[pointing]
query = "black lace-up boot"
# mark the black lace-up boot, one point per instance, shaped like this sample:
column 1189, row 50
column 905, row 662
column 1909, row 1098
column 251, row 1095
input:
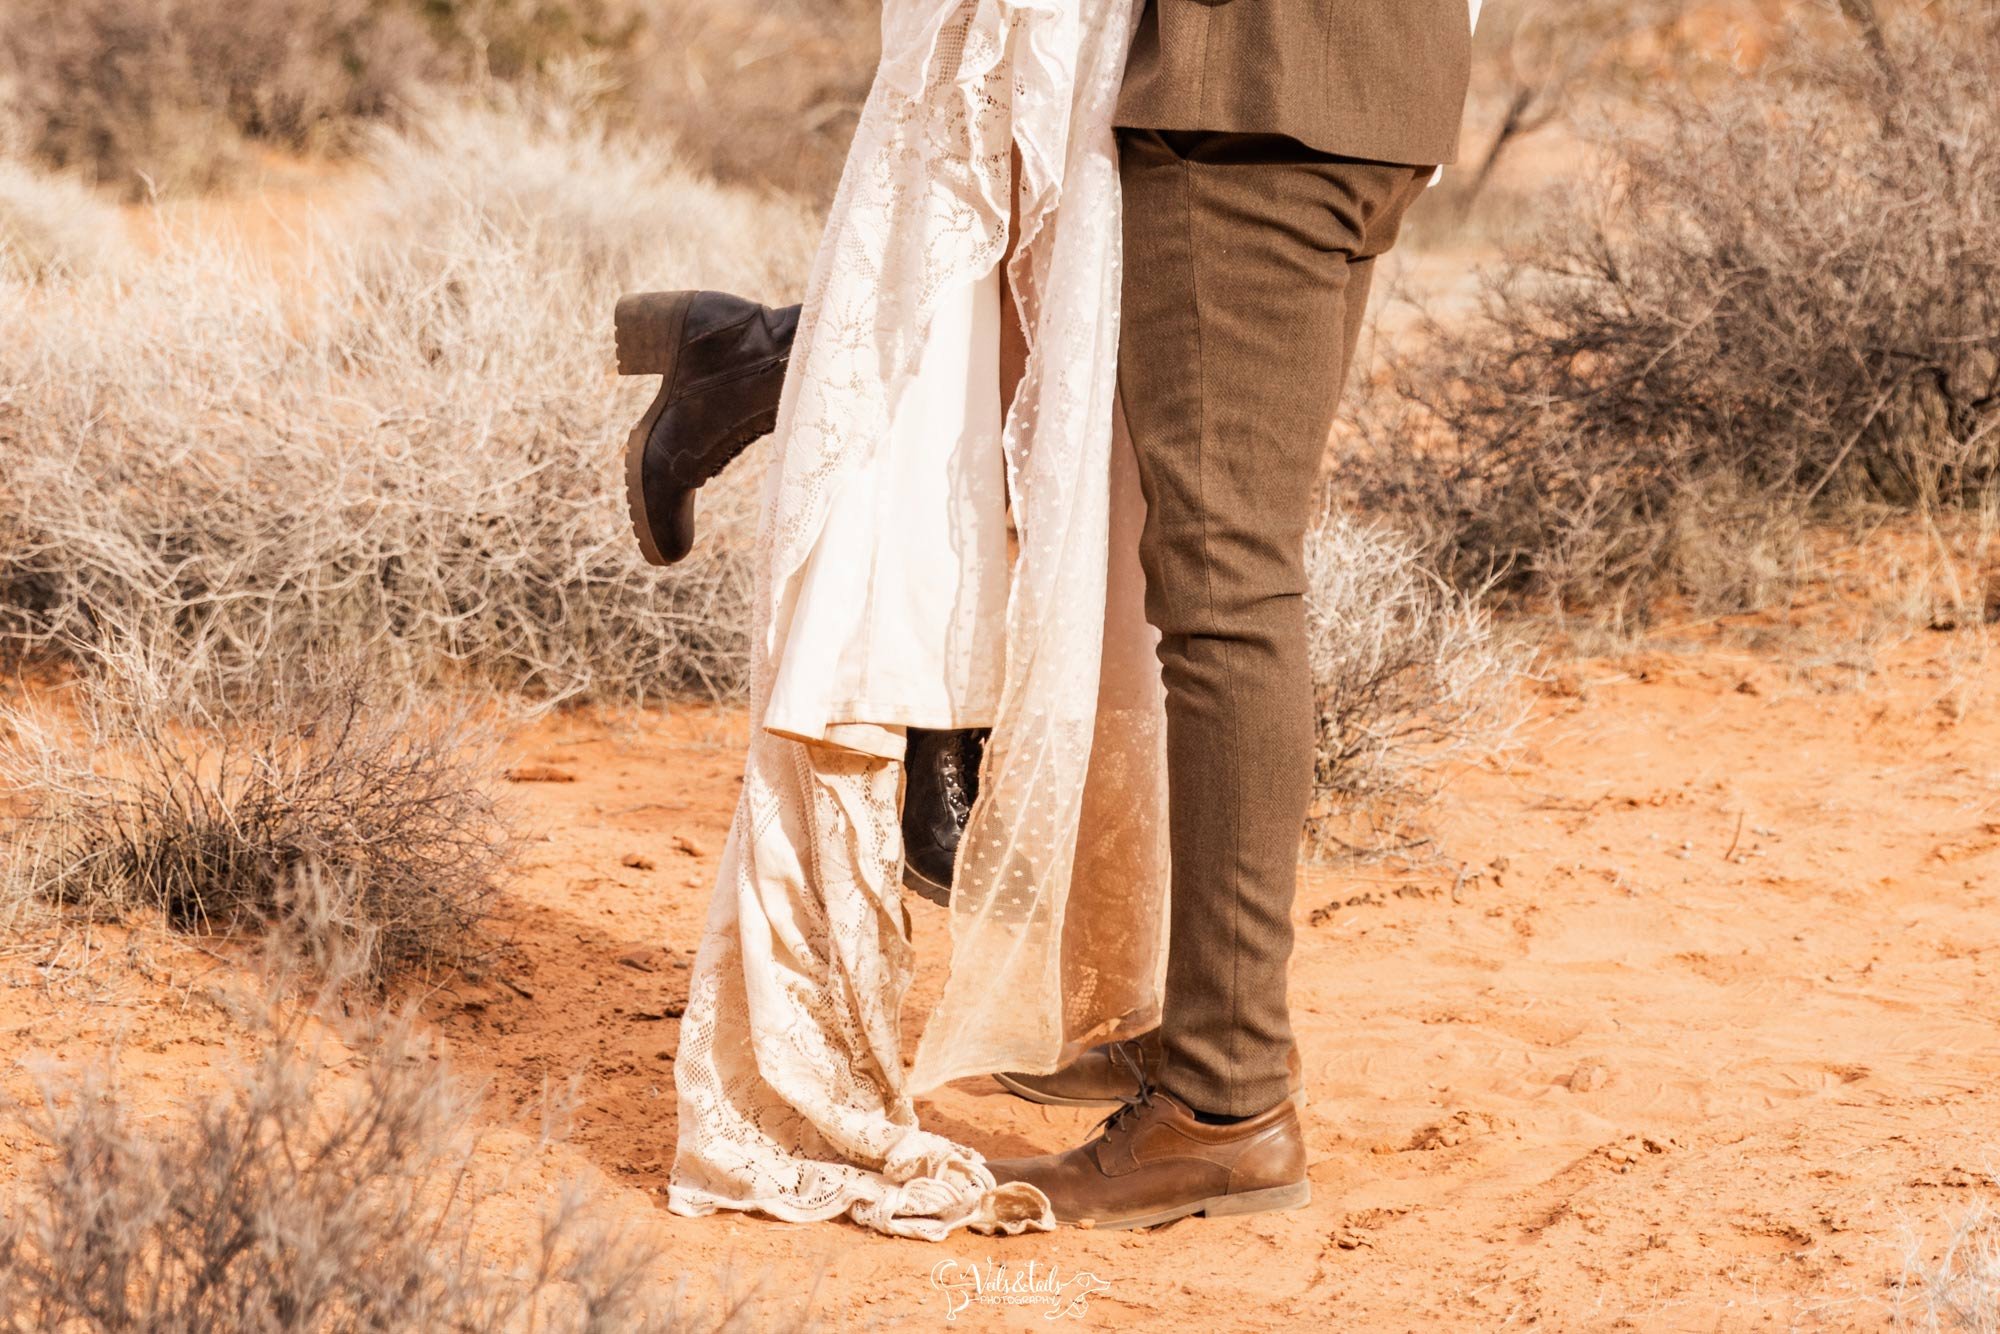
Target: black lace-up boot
column 721, row 361
column 941, row 781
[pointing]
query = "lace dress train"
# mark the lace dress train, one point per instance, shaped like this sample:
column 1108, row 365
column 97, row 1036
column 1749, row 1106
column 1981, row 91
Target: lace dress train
column 793, row 1100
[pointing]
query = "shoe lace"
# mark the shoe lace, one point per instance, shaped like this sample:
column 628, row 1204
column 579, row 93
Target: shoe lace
column 1128, row 1055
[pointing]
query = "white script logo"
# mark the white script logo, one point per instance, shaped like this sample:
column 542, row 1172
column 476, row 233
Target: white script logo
column 1007, row 1285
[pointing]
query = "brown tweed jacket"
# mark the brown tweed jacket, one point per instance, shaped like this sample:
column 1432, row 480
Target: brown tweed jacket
column 1378, row 79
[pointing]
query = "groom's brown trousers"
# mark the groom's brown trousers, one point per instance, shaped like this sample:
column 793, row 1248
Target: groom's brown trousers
column 1247, row 267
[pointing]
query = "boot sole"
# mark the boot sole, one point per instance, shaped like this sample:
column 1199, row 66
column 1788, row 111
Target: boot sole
column 1294, row 1196
column 649, row 331
column 918, row 883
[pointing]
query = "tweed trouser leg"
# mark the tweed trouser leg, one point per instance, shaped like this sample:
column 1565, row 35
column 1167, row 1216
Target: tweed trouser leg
column 1247, row 267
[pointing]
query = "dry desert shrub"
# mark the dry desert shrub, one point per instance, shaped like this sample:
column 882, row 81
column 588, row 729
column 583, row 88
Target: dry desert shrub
column 540, row 172
column 1409, row 681
column 404, row 446
column 53, row 227
column 510, row 39
column 302, row 1199
column 145, row 95
column 145, row 789
column 765, row 94
column 1543, row 63
column 170, row 96
column 1784, row 300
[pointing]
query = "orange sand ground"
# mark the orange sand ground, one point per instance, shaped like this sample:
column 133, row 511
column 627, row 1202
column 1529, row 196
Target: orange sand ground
column 1702, row 1037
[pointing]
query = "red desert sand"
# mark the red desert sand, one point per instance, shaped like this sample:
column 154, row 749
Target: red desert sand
column 1695, row 1030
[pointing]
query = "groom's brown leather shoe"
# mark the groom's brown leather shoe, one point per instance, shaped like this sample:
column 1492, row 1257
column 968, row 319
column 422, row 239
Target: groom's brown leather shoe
column 1104, row 1076
column 1111, row 1073
column 1154, row 1162
column 721, row 361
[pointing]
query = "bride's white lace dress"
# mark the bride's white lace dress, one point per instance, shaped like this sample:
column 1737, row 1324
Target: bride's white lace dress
column 794, row 1097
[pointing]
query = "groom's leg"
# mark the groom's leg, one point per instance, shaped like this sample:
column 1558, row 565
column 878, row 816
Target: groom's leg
column 1247, row 262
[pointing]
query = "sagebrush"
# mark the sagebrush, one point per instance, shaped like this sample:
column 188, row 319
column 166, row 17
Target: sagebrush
column 168, row 95
column 334, row 1182
column 1409, row 681
column 1780, row 298
column 176, row 96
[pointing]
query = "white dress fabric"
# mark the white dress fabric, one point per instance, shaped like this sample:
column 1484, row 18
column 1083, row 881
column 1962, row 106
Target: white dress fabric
column 900, row 616
column 794, row 1097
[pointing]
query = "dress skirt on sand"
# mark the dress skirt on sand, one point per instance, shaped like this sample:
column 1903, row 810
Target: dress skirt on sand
column 886, row 599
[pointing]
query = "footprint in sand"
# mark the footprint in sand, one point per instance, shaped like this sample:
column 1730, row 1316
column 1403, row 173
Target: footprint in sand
column 1461, row 1127
column 1589, row 1076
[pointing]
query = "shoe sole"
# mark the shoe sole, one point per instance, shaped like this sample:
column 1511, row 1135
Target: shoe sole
column 1294, row 1196
column 1020, row 1090
column 648, row 332
column 1028, row 1094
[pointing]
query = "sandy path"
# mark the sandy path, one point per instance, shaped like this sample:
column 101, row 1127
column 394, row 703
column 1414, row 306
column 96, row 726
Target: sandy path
column 1703, row 1034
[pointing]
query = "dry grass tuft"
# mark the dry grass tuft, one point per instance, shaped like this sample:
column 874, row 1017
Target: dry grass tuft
column 1961, row 1291
column 53, row 228
column 301, row 1198
column 1409, row 682
column 143, row 791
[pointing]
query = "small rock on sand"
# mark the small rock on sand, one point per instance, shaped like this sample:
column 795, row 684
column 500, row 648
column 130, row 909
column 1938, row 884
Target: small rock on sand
column 539, row 773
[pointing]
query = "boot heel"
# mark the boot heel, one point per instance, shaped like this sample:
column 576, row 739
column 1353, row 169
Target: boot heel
column 1260, row 1201
column 649, row 329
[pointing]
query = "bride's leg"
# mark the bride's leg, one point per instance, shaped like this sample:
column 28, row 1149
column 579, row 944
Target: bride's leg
column 793, row 1098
